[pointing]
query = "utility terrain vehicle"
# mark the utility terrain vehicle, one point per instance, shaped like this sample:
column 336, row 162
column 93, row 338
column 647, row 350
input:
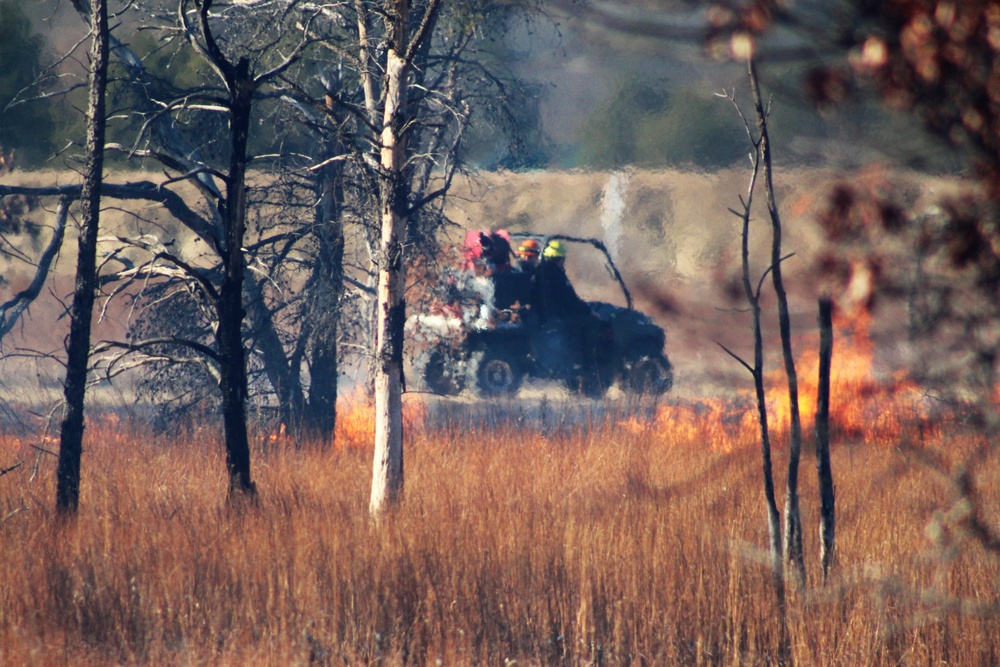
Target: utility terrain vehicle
column 491, row 329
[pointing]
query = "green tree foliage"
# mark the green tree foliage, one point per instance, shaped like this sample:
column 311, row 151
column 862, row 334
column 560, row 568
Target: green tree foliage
column 172, row 68
column 175, row 68
column 505, row 131
column 641, row 124
column 25, row 126
column 504, row 128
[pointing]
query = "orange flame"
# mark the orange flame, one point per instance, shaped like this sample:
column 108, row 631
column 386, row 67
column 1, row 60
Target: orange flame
column 862, row 406
column 356, row 419
column 723, row 425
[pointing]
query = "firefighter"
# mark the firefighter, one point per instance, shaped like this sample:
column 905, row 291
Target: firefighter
column 496, row 251
column 556, row 295
column 559, row 301
column 527, row 256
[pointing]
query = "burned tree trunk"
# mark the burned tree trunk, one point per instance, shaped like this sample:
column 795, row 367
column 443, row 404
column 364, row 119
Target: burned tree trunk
column 78, row 349
column 827, row 497
column 323, row 313
column 757, row 371
column 394, row 190
column 793, row 517
column 241, row 86
column 232, row 354
column 752, row 295
column 773, row 516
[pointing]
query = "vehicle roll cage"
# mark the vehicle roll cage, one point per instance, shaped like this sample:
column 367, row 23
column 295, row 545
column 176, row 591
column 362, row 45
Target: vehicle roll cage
column 612, row 269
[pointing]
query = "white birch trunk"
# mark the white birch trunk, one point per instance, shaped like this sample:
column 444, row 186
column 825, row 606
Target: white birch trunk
column 387, row 466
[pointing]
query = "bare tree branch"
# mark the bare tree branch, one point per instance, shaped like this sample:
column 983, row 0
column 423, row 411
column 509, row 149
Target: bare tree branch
column 736, row 357
column 144, row 190
column 4, row 471
column 11, row 310
column 201, row 348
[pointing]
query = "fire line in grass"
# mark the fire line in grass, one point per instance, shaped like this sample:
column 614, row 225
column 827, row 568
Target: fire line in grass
column 356, row 419
column 863, row 406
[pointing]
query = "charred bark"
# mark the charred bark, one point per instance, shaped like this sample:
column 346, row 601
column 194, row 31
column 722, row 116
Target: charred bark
column 793, row 517
column 323, row 314
column 387, row 473
column 757, row 371
column 232, row 354
column 752, row 296
column 827, row 495
column 773, row 516
column 78, row 347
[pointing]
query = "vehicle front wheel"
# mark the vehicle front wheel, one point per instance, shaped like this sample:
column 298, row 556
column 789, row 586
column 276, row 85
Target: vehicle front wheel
column 442, row 372
column 651, row 375
column 498, row 374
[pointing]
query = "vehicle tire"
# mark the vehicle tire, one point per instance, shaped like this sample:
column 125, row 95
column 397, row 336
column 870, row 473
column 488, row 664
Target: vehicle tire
column 652, row 375
column 442, row 372
column 498, row 374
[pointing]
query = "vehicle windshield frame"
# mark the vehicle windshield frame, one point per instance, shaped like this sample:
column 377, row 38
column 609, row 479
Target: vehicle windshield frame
column 544, row 239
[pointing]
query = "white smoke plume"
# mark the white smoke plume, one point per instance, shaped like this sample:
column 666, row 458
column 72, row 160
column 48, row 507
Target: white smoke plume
column 613, row 211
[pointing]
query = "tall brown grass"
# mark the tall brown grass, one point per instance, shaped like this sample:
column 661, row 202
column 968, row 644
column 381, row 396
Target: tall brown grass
column 612, row 541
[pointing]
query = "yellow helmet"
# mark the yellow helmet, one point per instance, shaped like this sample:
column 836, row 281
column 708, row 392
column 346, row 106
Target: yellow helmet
column 554, row 250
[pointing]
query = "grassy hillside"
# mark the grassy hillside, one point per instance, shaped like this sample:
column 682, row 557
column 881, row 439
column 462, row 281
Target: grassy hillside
column 678, row 249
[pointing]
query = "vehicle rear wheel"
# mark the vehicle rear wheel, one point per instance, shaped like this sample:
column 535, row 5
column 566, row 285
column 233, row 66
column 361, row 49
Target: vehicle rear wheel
column 442, row 372
column 498, row 374
column 649, row 375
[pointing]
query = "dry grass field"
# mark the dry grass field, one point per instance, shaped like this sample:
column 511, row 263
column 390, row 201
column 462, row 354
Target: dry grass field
column 629, row 535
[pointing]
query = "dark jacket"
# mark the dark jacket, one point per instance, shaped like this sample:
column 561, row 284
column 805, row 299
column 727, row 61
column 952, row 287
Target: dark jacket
column 555, row 297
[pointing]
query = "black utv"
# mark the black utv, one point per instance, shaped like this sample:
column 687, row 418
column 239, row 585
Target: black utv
column 500, row 323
